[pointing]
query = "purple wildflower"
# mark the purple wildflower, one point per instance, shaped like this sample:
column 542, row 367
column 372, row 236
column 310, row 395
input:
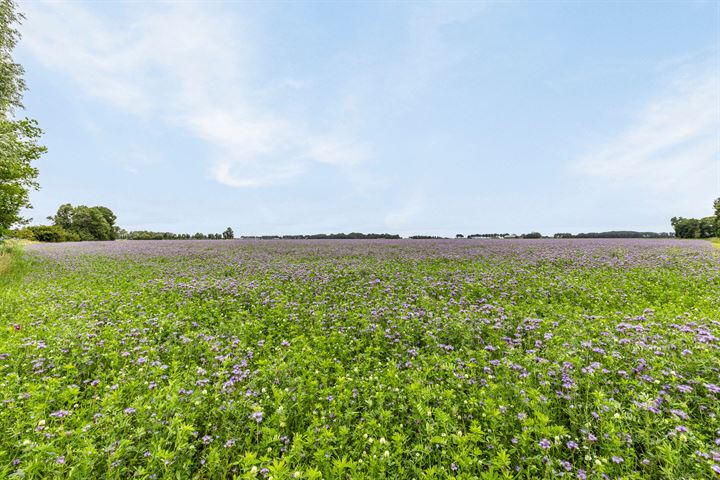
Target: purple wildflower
column 712, row 388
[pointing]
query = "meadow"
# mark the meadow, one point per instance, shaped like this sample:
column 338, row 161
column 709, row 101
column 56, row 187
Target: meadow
column 465, row 359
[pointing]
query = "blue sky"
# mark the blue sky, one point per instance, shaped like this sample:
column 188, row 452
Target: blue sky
column 437, row 118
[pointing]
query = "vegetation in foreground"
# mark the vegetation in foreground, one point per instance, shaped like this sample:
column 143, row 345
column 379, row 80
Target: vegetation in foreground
column 500, row 359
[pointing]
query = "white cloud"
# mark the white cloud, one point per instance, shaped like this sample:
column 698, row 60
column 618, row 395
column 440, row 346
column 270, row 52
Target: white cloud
column 188, row 66
column 671, row 149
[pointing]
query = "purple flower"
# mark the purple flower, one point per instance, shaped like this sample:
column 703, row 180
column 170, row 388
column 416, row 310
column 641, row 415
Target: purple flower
column 129, row 411
column 453, row 467
column 544, row 443
column 582, row 475
column 264, row 472
column 257, row 416
column 230, row 443
column 712, row 387
column 681, row 429
column 60, row 414
column 206, row 439
column 618, row 459
column 60, row 460
column 572, row 445
column 566, row 465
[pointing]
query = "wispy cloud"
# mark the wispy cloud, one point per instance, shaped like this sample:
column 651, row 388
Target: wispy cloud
column 188, row 67
column 671, row 149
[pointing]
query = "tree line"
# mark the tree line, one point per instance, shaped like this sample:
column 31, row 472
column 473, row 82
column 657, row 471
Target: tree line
column 81, row 223
column 74, row 224
column 705, row 227
column 228, row 234
column 616, row 234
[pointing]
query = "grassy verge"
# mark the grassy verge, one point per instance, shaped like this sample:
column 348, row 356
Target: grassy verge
column 11, row 260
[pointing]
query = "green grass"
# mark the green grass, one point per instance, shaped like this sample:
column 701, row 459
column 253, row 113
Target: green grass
column 11, row 262
column 361, row 360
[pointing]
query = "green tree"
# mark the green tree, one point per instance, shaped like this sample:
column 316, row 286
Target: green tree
column 45, row 233
column 707, row 227
column 686, row 227
column 18, row 137
column 89, row 223
column 63, row 217
column 228, row 234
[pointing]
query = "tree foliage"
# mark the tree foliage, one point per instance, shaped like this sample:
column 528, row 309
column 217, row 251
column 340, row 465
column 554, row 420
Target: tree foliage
column 47, row 233
column 698, row 227
column 694, row 227
column 89, row 223
column 228, row 234
column 18, row 137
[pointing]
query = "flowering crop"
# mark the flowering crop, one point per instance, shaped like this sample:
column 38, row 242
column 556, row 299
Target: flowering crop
column 362, row 359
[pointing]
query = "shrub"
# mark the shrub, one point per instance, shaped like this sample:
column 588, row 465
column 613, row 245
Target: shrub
column 47, row 233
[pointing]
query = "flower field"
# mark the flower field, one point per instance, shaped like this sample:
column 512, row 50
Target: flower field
column 362, row 359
